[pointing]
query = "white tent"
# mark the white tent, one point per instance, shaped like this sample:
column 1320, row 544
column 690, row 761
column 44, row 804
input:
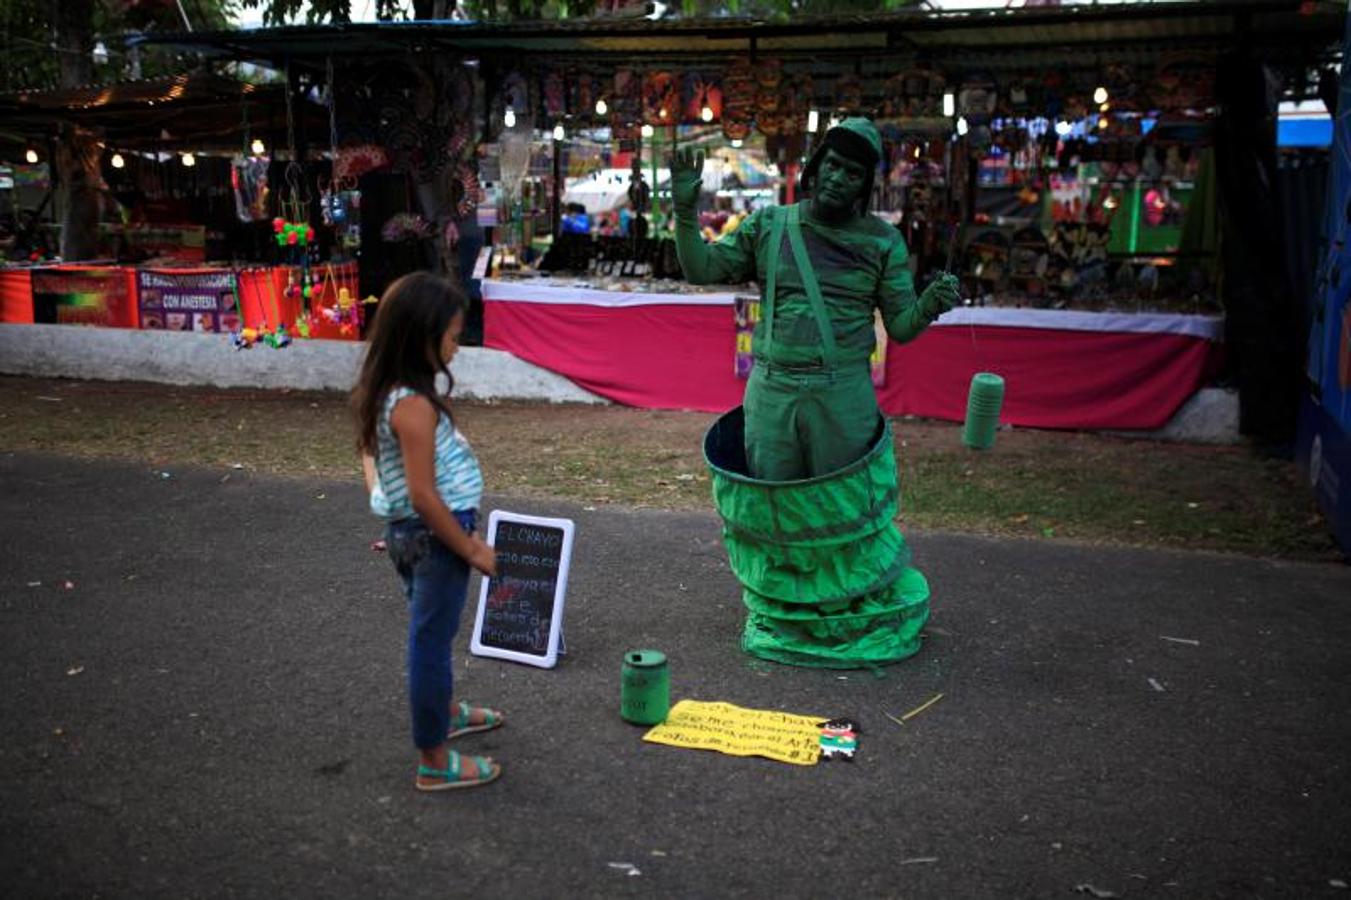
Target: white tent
column 607, row 189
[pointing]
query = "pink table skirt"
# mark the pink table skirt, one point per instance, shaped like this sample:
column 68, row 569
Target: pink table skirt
column 1061, row 369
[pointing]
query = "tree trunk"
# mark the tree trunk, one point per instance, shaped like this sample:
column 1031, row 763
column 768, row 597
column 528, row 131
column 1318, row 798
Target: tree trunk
column 77, row 156
column 433, row 9
column 442, row 9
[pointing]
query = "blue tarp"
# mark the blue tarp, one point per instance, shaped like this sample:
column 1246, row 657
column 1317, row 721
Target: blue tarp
column 1304, row 132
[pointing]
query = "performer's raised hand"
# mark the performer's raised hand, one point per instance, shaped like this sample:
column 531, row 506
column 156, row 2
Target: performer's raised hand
column 687, row 172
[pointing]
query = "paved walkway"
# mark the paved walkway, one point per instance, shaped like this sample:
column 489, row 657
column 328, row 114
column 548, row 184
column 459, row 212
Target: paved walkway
column 215, row 708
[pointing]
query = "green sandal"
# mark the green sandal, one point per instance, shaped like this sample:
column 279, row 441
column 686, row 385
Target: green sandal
column 488, row 771
column 459, row 721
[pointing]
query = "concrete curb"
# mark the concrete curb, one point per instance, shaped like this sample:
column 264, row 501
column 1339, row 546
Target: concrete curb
column 183, row 358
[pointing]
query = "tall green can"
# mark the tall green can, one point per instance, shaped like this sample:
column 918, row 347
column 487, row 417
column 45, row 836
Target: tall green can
column 825, row 573
column 644, row 688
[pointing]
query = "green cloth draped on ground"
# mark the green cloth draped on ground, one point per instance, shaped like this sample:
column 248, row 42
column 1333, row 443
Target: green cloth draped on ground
column 825, row 572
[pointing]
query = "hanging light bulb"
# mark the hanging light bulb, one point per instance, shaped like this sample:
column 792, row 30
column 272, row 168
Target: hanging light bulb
column 559, row 133
column 736, row 144
column 188, row 160
column 601, row 107
column 962, row 127
column 509, row 118
column 706, row 114
column 257, row 147
column 647, row 131
column 117, row 162
column 662, row 112
column 949, row 104
column 1103, row 123
column 813, row 121
column 1100, row 95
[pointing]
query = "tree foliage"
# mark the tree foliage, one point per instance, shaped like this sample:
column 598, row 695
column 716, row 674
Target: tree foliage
column 52, row 43
column 279, row 12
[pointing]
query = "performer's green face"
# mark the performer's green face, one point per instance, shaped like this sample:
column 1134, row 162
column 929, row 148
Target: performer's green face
column 839, row 184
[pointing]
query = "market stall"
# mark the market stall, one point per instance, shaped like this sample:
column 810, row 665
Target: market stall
column 205, row 224
column 1067, row 162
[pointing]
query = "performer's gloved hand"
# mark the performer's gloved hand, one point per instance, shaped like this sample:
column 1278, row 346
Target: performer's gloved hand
column 940, row 296
column 687, row 170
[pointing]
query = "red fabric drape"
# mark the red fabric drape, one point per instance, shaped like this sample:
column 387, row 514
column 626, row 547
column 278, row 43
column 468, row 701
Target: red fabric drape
column 16, row 296
column 681, row 357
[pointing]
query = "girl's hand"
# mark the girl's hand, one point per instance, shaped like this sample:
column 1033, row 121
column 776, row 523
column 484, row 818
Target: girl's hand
column 482, row 556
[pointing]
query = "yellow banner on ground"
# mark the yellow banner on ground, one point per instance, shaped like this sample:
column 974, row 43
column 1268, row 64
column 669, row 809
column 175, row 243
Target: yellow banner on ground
column 738, row 731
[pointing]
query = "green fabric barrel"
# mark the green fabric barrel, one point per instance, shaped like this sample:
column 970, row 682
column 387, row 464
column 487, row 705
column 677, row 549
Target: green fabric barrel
column 825, row 573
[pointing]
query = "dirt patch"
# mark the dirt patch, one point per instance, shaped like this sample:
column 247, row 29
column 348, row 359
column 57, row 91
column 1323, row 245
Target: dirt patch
column 1045, row 484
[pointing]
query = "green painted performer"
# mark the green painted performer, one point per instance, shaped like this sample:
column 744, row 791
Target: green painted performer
column 804, row 473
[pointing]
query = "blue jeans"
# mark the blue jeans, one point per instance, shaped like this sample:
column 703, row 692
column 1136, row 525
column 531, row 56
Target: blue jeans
column 435, row 582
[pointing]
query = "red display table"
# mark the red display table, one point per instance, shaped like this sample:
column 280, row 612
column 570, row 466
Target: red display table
column 676, row 351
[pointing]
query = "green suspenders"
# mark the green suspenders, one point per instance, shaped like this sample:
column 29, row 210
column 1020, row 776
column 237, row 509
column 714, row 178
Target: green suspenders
column 792, row 222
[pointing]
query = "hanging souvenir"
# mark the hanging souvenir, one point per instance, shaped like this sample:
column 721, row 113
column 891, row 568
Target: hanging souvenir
column 555, row 96
column 626, row 108
column 699, row 91
column 795, row 104
column 1016, row 99
column 460, row 91
column 738, row 100
column 1184, row 84
column 938, row 87
column 768, row 77
column 467, row 184
column 248, row 178
column 977, row 100
column 914, row 89
column 582, row 94
column 516, row 95
column 1122, row 93
column 893, row 97
column 849, row 95
column 353, row 162
column 661, row 99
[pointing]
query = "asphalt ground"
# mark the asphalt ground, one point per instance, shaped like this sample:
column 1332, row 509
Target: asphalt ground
column 203, row 696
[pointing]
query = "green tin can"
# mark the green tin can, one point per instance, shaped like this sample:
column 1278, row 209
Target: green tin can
column 645, row 687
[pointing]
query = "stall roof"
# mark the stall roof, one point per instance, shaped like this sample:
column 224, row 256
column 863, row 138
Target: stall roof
column 183, row 88
column 196, row 110
column 1015, row 36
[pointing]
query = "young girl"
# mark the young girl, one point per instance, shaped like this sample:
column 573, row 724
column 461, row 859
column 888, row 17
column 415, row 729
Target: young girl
column 425, row 482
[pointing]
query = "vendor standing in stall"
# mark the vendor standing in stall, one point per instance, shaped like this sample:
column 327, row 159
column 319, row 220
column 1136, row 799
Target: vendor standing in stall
column 833, row 587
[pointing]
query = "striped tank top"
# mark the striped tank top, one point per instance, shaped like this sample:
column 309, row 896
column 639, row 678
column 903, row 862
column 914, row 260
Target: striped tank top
column 458, row 478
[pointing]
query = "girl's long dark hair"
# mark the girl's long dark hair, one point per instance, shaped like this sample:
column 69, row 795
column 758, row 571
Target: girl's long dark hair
column 404, row 348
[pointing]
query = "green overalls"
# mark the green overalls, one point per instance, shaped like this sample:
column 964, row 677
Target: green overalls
column 804, row 421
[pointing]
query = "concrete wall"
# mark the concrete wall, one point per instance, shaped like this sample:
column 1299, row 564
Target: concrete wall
column 118, row 354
